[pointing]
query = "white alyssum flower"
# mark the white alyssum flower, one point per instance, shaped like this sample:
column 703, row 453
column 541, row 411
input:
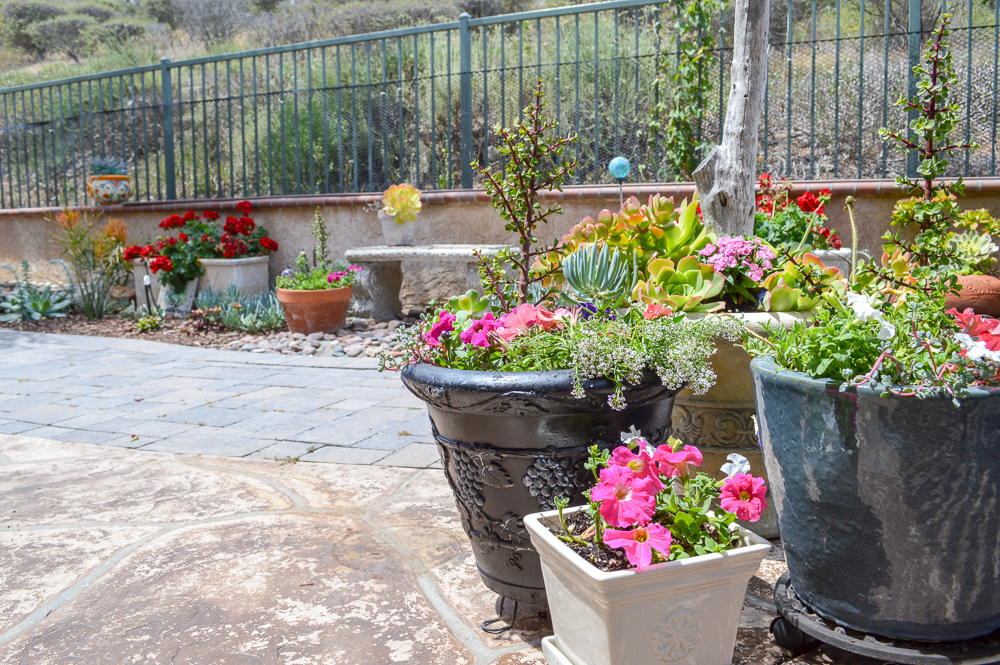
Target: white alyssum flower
column 975, row 349
column 863, row 310
column 736, row 464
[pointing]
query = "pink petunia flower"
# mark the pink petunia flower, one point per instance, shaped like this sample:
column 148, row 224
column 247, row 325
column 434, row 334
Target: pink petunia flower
column 744, row 494
column 517, row 321
column 444, row 324
column 625, row 500
column 640, row 542
column 640, row 464
column 551, row 320
column 478, row 334
column 677, row 464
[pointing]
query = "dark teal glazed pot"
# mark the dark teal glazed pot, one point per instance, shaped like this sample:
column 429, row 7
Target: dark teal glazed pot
column 889, row 508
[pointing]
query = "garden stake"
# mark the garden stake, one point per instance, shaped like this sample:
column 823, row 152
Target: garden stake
column 487, row 625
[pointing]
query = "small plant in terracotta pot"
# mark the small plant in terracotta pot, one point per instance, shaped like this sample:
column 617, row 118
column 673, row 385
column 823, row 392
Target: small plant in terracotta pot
column 109, row 182
column 315, row 298
column 400, row 205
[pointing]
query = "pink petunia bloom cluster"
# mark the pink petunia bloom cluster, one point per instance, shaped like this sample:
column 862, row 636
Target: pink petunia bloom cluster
column 524, row 317
column 627, row 492
column 445, row 323
column 478, row 334
column 736, row 253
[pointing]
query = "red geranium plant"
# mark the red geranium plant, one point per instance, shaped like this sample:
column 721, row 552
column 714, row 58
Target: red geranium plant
column 795, row 223
column 201, row 237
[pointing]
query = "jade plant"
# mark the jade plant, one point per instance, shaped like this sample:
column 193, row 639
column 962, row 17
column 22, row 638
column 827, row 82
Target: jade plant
column 402, row 203
column 685, row 286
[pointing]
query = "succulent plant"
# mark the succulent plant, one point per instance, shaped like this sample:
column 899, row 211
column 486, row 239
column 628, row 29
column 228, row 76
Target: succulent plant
column 799, row 287
column 658, row 229
column 974, row 251
column 685, row 286
column 401, row 202
column 600, row 275
column 471, row 305
column 108, row 166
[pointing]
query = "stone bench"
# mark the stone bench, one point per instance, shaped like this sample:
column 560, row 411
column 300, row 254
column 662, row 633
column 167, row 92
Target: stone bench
column 376, row 294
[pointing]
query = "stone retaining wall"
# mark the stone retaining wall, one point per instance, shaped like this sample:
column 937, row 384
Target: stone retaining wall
column 453, row 216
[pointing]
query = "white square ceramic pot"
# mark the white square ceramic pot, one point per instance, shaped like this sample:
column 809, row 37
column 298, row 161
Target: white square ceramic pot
column 683, row 611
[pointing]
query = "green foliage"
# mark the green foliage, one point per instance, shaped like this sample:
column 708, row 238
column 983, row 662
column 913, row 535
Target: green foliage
column 973, row 252
column 685, row 286
column 148, row 322
column 19, row 16
column 29, row 303
column 801, row 284
column 599, row 275
column 533, row 164
column 321, row 253
column 468, row 306
column 69, row 34
column 682, row 83
column 94, row 255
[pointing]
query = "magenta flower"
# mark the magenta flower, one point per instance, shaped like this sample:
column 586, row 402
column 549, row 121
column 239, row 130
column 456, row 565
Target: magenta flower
column 444, row 324
column 625, row 500
column 744, row 494
column 478, row 333
column 641, row 465
column 677, row 463
column 640, row 542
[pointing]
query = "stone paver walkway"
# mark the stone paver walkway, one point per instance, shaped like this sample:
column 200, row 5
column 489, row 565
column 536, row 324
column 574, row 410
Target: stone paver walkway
column 172, row 398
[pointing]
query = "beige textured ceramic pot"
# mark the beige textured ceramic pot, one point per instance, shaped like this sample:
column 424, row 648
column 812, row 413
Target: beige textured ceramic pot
column 249, row 274
column 720, row 422
column 684, row 612
column 323, row 310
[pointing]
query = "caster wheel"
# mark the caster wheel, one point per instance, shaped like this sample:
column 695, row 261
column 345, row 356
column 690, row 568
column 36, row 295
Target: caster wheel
column 789, row 637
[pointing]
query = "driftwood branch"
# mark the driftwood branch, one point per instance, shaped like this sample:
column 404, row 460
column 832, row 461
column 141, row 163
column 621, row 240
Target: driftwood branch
column 725, row 179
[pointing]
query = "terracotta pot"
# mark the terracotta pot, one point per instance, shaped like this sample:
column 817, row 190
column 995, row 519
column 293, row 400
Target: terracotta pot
column 323, row 310
column 980, row 292
column 109, row 189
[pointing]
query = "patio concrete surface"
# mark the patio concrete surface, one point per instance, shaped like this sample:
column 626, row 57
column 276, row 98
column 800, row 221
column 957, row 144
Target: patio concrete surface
column 110, row 555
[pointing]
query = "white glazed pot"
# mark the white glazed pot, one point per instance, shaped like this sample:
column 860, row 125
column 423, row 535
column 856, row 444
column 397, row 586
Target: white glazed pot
column 249, row 274
column 684, row 612
column 139, row 271
column 396, row 235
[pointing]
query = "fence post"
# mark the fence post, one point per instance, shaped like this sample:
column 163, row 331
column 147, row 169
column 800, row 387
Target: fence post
column 465, row 92
column 915, row 35
column 167, row 100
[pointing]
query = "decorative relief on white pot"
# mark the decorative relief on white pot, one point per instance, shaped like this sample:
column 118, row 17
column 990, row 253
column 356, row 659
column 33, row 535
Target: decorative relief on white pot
column 678, row 635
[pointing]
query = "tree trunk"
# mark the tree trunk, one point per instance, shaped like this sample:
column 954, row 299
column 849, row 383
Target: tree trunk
column 725, row 179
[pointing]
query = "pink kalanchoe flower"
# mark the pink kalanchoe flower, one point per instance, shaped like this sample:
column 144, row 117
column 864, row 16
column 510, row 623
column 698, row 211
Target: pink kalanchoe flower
column 744, row 494
column 641, row 465
column 444, row 324
column 640, row 542
column 677, row 464
column 625, row 500
column 655, row 310
column 478, row 334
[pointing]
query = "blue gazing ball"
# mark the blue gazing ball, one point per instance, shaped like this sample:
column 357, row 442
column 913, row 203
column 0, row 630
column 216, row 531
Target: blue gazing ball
column 620, row 168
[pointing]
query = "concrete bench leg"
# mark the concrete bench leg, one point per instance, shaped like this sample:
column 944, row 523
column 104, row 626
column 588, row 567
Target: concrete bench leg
column 376, row 294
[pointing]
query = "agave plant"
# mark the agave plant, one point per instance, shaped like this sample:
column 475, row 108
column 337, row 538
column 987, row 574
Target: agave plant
column 800, row 286
column 685, row 286
column 658, row 229
column 401, row 202
column 108, row 166
column 600, row 275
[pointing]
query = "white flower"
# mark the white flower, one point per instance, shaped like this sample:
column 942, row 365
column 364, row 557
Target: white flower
column 975, row 349
column 736, row 464
column 863, row 310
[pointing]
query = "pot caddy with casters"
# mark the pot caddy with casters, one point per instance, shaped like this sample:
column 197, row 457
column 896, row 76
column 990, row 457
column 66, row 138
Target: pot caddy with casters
column 511, row 442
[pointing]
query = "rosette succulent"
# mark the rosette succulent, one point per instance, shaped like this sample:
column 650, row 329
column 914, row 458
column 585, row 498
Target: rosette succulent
column 685, row 286
column 600, row 275
column 401, row 202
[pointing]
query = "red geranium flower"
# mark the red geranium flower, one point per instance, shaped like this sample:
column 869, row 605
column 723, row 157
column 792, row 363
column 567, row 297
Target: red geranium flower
column 161, row 263
column 146, row 251
column 190, row 216
column 247, row 225
column 132, row 253
column 183, row 237
column 268, row 244
column 210, row 215
column 245, row 207
column 835, row 242
column 809, row 202
column 207, row 238
column 172, row 222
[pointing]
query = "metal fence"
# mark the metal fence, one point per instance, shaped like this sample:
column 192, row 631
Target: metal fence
column 358, row 113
